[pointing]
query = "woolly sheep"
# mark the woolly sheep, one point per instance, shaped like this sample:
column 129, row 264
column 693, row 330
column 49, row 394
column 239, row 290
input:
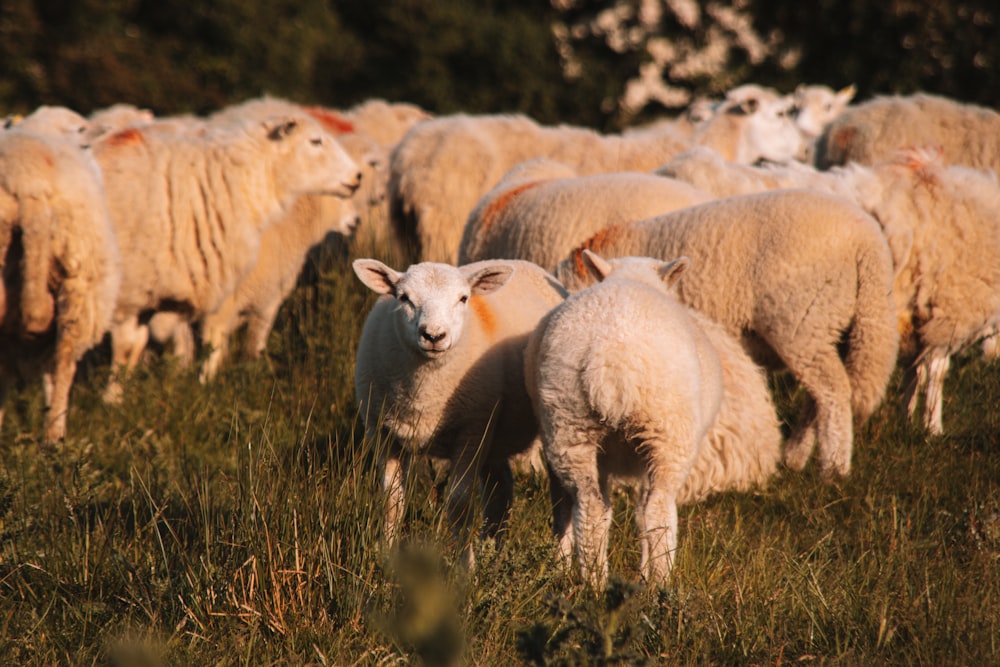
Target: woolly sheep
column 873, row 131
column 442, row 166
column 55, row 121
column 189, row 226
column 624, row 384
column 51, row 193
column 539, row 211
column 283, row 249
column 796, row 273
column 940, row 224
column 440, row 370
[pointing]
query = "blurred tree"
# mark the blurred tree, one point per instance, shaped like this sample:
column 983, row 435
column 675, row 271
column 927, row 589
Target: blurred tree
column 948, row 47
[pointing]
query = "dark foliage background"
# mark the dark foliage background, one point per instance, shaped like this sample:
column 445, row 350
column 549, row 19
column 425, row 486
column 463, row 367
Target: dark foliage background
column 448, row 55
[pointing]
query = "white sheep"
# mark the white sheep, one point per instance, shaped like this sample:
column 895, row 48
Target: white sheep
column 750, row 125
column 283, row 249
column 797, row 274
column 440, row 370
column 940, row 224
column 189, row 211
column 443, row 166
column 56, row 121
column 625, row 385
column 57, row 236
column 539, row 211
column 872, row 132
column 817, row 106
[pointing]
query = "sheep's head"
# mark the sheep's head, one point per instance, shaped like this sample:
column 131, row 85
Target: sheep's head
column 432, row 300
column 654, row 272
column 817, row 106
column 769, row 131
column 313, row 161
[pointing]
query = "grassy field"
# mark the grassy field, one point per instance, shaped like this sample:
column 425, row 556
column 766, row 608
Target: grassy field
column 240, row 524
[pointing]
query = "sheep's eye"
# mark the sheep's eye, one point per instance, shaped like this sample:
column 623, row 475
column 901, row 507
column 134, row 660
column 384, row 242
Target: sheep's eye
column 464, row 298
column 317, row 141
column 404, row 298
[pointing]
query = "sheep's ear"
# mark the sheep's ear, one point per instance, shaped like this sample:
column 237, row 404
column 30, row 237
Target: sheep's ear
column 670, row 272
column 490, row 279
column 376, row 275
column 280, row 129
column 598, row 266
column 746, row 107
column 845, row 95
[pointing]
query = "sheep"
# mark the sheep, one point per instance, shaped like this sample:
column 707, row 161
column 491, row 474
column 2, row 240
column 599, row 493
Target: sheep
column 796, row 274
column 817, row 106
column 939, row 222
column 189, row 227
column 947, row 286
column 625, row 384
column 440, row 370
column 56, row 121
column 283, row 249
column 539, row 212
column 57, row 236
column 442, row 166
column 871, row 132
column 384, row 122
column 749, row 125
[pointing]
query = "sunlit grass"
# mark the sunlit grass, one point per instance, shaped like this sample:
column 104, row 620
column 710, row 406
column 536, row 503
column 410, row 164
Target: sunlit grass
column 240, row 523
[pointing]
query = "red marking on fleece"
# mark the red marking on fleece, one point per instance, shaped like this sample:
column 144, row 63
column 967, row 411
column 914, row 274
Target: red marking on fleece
column 331, row 121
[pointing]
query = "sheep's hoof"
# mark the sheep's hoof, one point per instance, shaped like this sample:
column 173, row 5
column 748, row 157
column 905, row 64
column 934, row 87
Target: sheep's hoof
column 799, row 447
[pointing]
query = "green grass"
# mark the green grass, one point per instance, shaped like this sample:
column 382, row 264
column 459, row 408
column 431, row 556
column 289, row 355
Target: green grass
column 240, row 524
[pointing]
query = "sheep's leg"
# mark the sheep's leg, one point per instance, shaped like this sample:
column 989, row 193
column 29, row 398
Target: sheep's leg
column 128, row 340
column 182, row 345
column 668, row 458
column 395, row 496
column 917, row 385
column 937, row 369
column 562, row 516
column 38, row 306
column 459, row 496
column 58, row 380
column 825, row 378
column 498, row 494
column 802, row 441
column 9, row 211
column 259, row 325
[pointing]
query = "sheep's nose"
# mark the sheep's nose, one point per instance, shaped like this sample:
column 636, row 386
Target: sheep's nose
column 430, row 337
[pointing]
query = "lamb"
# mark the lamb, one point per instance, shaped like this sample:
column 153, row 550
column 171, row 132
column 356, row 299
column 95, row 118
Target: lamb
column 872, row 132
column 539, row 212
column 189, row 230
column 283, row 249
column 440, row 370
column 57, row 236
column 55, row 121
column 442, row 167
column 796, row 274
column 629, row 395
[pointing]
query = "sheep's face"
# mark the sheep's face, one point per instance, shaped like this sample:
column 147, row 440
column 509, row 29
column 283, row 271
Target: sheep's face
column 432, row 300
column 817, row 106
column 770, row 133
column 312, row 160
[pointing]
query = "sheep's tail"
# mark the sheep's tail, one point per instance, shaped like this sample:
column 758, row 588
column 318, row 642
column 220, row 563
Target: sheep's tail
column 37, row 304
column 873, row 341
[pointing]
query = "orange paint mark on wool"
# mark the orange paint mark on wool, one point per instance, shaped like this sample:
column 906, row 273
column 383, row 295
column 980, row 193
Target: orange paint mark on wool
column 497, row 206
column 331, row 121
column 844, row 137
column 596, row 244
column 126, row 137
column 923, row 161
column 484, row 313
